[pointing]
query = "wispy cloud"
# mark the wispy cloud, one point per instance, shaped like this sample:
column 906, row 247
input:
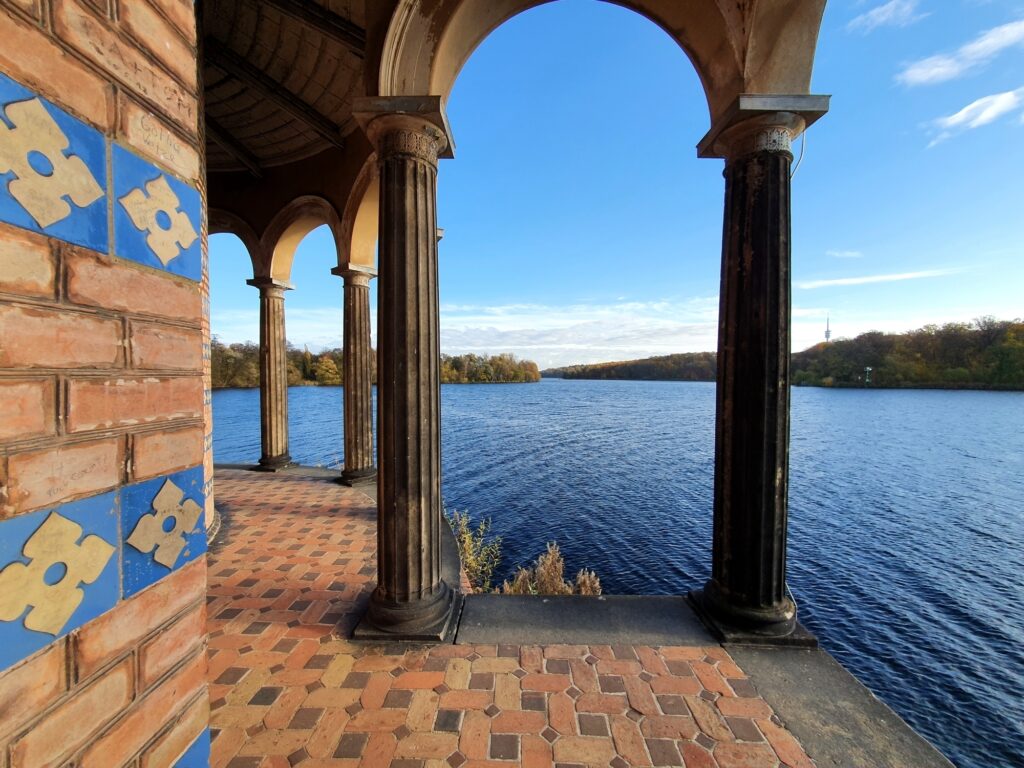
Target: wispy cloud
column 970, row 56
column 895, row 13
column 867, row 279
column 844, row 254
column 980, row 112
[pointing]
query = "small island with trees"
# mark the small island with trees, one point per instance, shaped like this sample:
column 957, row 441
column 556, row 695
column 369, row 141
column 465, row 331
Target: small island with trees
column 237, row 365
column 984, row 354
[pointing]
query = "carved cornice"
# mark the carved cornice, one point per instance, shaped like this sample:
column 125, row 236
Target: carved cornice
column 412, row 143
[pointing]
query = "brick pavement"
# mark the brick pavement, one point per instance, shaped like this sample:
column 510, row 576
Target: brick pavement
column 289, row 573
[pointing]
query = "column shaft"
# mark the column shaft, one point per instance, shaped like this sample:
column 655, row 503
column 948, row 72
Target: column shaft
column 358, row 378
column 748, row 584
column 411, row 595
column 273, row 376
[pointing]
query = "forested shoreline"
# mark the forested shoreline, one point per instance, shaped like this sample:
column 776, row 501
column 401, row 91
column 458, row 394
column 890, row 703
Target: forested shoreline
column 238, row 365
column 984, row 354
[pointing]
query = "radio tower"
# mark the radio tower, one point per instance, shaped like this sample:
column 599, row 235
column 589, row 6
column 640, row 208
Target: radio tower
column 828, row 330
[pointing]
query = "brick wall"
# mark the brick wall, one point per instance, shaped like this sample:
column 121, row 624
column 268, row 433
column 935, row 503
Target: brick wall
column 105, row 463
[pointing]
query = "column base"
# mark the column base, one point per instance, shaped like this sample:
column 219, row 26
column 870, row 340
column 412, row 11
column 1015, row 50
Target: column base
column 274, row 463
column 432, row 620
column 730, row 624
column 358, row 476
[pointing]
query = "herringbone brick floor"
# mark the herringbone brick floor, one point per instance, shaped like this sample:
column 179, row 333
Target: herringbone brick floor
column 289, row 573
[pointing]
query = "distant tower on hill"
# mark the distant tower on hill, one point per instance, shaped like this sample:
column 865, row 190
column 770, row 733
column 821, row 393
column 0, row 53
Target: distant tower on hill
column 828, row 330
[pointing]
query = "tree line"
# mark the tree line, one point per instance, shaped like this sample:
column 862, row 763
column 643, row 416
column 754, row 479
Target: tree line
column 984, row 354
column 238, row 365
column 689, row 366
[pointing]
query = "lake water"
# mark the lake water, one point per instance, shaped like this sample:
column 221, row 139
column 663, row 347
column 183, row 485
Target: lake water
column 906, row 518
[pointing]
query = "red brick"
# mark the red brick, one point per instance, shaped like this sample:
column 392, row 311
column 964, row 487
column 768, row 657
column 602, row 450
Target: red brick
column 106, row 403
column 31, row 687
column 159, row 37
column 584, row 749
column 696, row 756
column 711, row 679
column 148, row 716
column 561, row 713
column 45, row 338
column 519, row 722
column 160, row 453
column 688, row 686
column 165, row 347
column 601, row 702
column 745, row 756
column 473, row 737
column 168, row 748
column 33, row 59
column 731, row 707
column 369, row 721
column 708, row 719
column 49, row 477
column 26, row 262
column 785, row 745
column 75, row 721
column 118, row 631
column 106, row 49
column 629, row 742
column 419, row 680
column 550, row 683
column 182, row 14
column 171, row 645
column 101, row 281
column 27, row 409
column 146, row 132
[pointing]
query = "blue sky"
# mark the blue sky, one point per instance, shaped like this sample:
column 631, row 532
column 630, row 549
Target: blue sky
column 581, row 227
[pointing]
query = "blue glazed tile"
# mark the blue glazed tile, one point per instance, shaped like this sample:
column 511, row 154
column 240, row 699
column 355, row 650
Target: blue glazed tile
column 198, row 755
column 157, row 217
column 163, row 527
column 53, row 170
column 59, row 568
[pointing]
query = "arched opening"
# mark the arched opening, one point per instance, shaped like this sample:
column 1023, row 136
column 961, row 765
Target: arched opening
column 601, row 242
column 235, row 333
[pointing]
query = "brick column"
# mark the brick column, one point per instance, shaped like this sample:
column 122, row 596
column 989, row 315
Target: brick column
column 273, row 375
column 411, row 599
column 358, row 375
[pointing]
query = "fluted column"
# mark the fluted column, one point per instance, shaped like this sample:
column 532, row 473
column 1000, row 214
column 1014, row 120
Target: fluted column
column 273, row 375
column 747, row 591
column 411, row 599
column 358, row 374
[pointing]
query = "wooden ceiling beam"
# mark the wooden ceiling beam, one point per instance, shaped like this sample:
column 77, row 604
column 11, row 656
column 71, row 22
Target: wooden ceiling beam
column 325, row 21
column 253, row 77
column 219, row 136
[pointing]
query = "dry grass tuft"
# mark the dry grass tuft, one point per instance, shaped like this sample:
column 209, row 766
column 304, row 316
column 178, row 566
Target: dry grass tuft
column 547, row 577
column 480, row 556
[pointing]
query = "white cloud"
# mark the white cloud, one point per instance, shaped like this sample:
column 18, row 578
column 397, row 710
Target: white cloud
column 895, row 13
column 844, row 254
column 980, row 112
column 867, row 279
column 970, row 56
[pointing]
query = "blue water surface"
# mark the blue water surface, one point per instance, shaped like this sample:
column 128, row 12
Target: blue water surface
column 906, row 518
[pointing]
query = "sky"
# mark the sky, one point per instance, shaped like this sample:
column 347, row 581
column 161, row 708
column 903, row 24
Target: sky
column 580, row 226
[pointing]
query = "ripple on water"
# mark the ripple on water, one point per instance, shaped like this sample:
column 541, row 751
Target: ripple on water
column 906, row 518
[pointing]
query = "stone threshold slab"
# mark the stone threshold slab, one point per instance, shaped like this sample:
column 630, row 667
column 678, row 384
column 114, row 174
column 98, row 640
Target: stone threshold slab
column 575, row 620
column 836, row 718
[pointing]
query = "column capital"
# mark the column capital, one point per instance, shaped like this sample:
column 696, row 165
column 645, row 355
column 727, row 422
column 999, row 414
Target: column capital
column 761, row 123
column 356, row 274
column 269, row 285
column 410, row 125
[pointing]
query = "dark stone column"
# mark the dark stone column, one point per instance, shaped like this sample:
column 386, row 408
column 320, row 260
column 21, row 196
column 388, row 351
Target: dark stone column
column 273, row 375
column 747, row 593
column 359, row 466
column 411, row 599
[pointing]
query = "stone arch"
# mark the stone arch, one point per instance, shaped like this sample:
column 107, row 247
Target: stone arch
column 750, row 46
column 225, row 222
column 288, row 228
column 360, row 219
